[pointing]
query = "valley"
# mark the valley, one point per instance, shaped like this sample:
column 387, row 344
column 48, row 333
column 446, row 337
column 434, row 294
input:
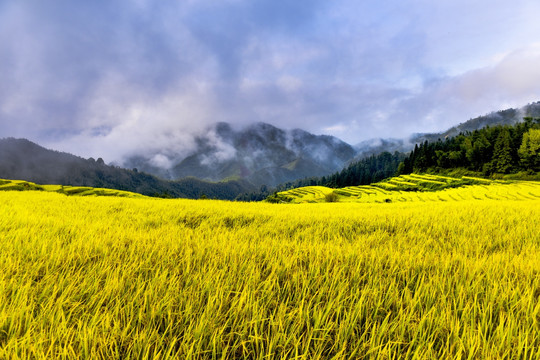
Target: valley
column 269, row 180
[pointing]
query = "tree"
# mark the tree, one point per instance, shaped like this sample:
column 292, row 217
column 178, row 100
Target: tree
column 477, row 150
column 502, row 154
column 331, row 197
column 442, row 158
column 529, row 151
column 455, row 158
column 401, row 168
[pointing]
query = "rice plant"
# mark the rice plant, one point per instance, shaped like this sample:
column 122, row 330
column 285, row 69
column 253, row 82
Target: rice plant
column 142, row 278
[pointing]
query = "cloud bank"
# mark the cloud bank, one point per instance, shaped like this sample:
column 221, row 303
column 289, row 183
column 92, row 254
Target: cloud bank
column 115, row 79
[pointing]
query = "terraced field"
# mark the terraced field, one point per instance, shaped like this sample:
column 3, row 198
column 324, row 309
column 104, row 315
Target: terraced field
column 422, row 277
column 21, row 185
column 416, row 187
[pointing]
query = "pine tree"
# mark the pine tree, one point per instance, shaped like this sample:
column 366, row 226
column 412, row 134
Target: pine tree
column 502, row 154
column 529, row 151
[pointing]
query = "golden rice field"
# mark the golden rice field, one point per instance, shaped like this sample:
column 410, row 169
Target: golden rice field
column 142, row 278
column 416, row 188
column 21, row 185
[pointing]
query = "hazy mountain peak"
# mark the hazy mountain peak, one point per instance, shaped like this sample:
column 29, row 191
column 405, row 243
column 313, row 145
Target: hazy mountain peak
column 502, row 117
column 263, row 126
column 224, row 152
column 223, row 129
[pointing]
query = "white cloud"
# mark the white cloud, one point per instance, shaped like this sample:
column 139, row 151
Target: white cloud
column 512, row 82
column 161, row 161
column 112, row 79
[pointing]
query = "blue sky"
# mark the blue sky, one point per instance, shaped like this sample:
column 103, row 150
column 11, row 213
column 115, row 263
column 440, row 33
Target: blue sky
column 113, row 78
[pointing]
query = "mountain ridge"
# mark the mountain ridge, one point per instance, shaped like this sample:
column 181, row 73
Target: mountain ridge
column 509, row 116
column 21, row 159
column 229, row 162
column 259, row 153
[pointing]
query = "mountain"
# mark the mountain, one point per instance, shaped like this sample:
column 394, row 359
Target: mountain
column 260, row 153
column 503, row 117
column 22, row 159
column 475, row 151
column 491, row 151
column 227, row 162
column 378, row 145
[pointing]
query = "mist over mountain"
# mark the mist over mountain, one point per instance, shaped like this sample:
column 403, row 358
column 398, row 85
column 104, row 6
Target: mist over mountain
column 260, row 153
column 502, row 117
column 378, row 145
column 21, row 159
column 226, row 162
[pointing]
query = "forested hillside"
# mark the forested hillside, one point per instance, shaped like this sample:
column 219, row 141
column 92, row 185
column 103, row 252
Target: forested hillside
column 363, row 172
column 510, row 116
column 21, row 159
column 260, row 153
column 492, row 150
column 501, row 149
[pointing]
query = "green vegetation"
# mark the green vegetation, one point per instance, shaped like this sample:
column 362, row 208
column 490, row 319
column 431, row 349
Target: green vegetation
column 416, row 187
column 366, row 171
column 498, row 152
column 22, row 159
column 491, row 151
column 331, row 197
column 529, row 151
column 20, row 185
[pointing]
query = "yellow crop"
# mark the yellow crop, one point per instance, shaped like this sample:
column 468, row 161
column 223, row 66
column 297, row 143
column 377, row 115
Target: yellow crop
column 413, row 188
column 21, row 185
column 123, row 278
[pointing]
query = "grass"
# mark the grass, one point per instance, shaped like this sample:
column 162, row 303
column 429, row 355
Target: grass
column 416, row 187
column 21, row 185
column 125, row 277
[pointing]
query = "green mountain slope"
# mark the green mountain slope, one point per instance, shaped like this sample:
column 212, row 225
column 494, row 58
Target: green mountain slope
column 259, row 153
column 24, row 160
column 21, row 185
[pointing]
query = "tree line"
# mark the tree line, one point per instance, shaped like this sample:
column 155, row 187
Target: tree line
column 363, row 172
column 21, row 159
column 500, row 149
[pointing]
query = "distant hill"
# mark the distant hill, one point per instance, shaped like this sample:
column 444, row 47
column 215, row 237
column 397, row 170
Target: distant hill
column 21, row 159
column 260, row 153
column 503, row 117
column 491, row 151
column 378, row 145
column 228, row 163
column 22, row 185
column 381, row 158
